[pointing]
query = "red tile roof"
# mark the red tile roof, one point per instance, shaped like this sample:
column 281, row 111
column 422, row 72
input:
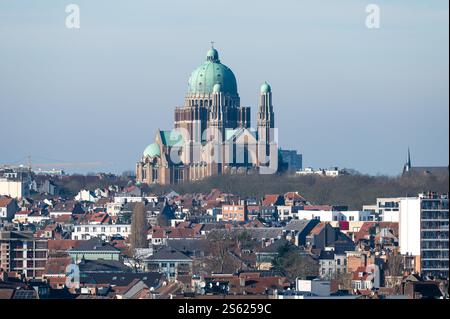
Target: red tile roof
column 61, row 244
column 5, row 201
column 270, row 199
column 363, row 232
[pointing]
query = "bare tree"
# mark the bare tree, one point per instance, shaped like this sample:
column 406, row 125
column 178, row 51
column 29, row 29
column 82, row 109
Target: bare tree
column 394, row 264
column 220, row 243
column 295, row 263
column 139, row 227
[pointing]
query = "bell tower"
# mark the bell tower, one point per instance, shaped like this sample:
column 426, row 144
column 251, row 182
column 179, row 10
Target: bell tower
column 266, row 120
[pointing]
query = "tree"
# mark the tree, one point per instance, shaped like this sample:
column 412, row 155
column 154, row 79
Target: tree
column 394, row 264
column 220, row 244
column 139, row 227
column 295, row 263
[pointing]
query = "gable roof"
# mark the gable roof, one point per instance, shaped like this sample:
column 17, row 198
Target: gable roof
column 299, row 224
column 101, row 266
column 167, row 253
column 273, row 199
column 93, row 244
column 121, row 279
column 5, row 201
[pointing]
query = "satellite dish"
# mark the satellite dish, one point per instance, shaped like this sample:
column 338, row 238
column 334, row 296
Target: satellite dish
column 202, row 284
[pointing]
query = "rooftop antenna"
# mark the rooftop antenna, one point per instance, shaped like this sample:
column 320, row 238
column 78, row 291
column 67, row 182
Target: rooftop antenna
column 212, row 44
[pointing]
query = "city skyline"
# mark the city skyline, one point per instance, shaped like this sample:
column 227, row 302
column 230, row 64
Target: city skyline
column 117, row 80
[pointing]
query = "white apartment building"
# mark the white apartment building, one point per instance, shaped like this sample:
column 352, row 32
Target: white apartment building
column 13, row 188
column 104, row 231
column 386, row 209
column 334, row 216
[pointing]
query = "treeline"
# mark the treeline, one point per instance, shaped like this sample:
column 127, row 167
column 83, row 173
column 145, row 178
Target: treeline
column 351, row 190
column 69, row 186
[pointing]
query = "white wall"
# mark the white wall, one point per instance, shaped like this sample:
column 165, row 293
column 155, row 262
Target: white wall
column 409, row 226
column 317, row 287
column 14, row 189
column 102, row 230
column 391, row 216
column 329, row 216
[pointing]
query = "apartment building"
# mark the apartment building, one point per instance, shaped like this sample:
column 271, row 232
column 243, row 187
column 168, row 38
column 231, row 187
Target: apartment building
column 103, row 231
column 234, row 213
column 22, row 253
column 423, row 232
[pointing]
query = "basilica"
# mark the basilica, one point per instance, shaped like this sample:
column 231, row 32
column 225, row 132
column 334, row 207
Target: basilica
column 212, row 133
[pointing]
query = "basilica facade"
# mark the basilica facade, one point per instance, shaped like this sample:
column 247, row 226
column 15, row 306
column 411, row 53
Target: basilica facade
column 212, row 134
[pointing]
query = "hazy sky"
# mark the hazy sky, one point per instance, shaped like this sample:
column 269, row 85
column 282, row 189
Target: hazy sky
column 343, row 94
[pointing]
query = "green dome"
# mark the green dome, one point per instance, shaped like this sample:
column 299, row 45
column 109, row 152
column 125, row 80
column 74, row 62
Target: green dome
column 152, row 150
column 211, row 72
column 265, row 88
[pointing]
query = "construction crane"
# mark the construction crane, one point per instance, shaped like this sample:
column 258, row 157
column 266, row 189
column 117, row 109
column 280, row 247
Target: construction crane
column 54, row 165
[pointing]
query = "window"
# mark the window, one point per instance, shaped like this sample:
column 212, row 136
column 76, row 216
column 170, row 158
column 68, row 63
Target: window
column 172, row 265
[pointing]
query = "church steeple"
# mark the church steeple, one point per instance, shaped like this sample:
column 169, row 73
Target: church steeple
column 407, row 166
column 266, row 120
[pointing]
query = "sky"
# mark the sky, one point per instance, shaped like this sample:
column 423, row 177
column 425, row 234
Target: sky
column 91, row 99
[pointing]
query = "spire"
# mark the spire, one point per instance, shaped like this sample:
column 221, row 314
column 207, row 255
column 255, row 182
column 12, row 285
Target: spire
column 409, row 159
column 407, row 166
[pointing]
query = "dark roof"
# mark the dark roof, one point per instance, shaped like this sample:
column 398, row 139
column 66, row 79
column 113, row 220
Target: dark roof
column 324, row 254
column 167, row 253
column 25, row 294
column 151, row 279
column 189, row 245
column 266, row 273
column 427, row 289
column 101, row 265
column 341, row 246
column 93, row 244
column 299, row 224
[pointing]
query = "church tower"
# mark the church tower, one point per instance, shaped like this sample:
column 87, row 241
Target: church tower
column 407, row 166
column 266, row 120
